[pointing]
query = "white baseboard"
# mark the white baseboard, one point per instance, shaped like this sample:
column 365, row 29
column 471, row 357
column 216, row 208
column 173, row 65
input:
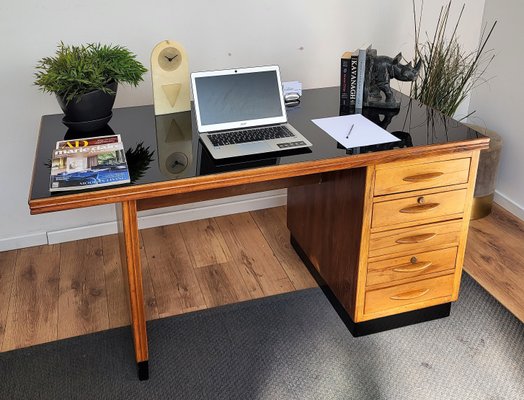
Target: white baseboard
column 82, row 232
column 514, row 208
column 209, row 209
column 174, row 215
column 19, row 242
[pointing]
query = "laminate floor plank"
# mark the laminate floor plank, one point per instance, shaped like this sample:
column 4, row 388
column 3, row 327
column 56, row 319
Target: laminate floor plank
column 495, row 258
column 117, row 295
column 83, row 298
column 222, row 284
column 174, row 281
column 33, row 310
column 272, row 224
column 148, row 289
column 7, row 272
column 260, row 269
column 205, row 243
column 117, row 301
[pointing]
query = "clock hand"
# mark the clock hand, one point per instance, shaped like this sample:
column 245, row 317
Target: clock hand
column 171, row 58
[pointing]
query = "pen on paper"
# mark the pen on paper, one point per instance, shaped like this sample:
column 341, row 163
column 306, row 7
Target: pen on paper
column 350, row 129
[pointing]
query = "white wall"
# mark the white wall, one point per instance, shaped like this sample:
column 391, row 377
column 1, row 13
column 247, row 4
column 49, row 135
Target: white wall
column 499, row 103
column 305, row 38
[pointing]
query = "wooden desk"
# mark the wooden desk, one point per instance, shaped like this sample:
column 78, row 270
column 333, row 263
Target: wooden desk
column 384, row 227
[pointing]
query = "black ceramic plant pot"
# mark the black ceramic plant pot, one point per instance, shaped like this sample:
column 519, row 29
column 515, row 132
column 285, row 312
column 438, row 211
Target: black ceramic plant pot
column 89, row 111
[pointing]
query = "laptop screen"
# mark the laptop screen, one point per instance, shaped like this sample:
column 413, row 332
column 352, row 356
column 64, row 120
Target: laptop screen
column 238, row 98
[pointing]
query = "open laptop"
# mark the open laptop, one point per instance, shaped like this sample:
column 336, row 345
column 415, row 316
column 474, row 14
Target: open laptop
column 241, row 112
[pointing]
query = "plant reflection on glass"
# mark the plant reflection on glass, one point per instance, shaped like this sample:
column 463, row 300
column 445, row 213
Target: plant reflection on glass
column 448, row 72
column 138, row 160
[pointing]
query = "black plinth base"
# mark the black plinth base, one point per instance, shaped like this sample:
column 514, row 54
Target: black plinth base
column 387, row 323
column 143, row 370
column 378, row 324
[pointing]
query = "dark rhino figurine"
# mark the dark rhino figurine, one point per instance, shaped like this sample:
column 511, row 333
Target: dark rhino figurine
column 381, row 69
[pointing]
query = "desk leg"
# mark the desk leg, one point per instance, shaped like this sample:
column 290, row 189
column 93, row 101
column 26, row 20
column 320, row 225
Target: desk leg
column 130, row 254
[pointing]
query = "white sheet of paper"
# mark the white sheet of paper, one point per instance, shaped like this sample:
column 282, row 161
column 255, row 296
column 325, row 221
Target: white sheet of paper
column 292, row 87
column 364, row 132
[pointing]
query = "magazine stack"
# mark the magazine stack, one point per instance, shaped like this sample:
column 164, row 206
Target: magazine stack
column 88, row 163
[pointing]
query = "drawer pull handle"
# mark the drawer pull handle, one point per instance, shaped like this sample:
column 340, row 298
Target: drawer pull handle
column 423, row 177
column 419, row 208
column 416, row 238
column 418, row 266
column 410, row 295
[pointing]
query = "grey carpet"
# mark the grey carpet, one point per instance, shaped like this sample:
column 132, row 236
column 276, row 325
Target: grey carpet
column 291, row 346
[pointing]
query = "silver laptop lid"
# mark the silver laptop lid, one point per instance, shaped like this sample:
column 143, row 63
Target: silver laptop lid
column 238, row 98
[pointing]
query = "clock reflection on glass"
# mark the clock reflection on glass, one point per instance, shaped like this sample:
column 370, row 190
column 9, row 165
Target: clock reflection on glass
column 176, row 163
column 174, row 136
column 169, row 59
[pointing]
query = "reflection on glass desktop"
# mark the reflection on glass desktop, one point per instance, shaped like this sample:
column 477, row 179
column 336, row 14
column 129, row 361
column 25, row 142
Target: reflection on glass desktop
column 207, row 165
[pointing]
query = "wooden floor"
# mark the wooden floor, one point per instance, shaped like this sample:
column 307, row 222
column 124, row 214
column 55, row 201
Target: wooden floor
column 58, row 291
column 495, row 257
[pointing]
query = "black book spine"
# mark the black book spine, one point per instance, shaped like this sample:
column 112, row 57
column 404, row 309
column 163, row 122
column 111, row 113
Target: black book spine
column 344, row 81
column 353, row 69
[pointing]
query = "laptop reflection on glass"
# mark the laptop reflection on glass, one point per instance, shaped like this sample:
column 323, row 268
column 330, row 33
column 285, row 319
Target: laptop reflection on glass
column 241, row 111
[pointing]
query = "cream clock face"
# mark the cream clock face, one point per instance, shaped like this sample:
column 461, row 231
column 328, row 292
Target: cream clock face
column 169, row 59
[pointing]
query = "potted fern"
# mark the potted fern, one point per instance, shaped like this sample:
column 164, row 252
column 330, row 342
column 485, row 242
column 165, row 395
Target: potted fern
column 85, row 80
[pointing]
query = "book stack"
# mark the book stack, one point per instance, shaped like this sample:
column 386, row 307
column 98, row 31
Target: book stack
column 88, row 163
column 353, row 73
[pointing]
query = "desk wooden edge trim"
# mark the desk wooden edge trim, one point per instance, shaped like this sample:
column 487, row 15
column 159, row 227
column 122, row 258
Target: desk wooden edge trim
column 228, row 179
column 364, row 245
column 465, row 225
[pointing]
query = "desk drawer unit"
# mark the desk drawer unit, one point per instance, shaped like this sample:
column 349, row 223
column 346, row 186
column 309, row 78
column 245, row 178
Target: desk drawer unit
column 388, row 239
column 419, row 213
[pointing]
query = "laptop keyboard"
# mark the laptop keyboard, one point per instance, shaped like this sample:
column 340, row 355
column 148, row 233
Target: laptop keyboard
column 249, row 135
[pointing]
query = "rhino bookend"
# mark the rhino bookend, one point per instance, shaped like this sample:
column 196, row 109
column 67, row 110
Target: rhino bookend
column 380, row 70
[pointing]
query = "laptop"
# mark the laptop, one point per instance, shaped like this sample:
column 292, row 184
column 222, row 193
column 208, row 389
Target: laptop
column 241, row 111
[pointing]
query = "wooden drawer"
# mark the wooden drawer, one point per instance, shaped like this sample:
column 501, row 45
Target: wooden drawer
column 411, row 266
column 409, row 296
column 418, row 208
column 421, row 176
column 414, row 238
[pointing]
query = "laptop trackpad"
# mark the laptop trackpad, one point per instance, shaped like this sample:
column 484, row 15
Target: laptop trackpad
column 255, row 147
